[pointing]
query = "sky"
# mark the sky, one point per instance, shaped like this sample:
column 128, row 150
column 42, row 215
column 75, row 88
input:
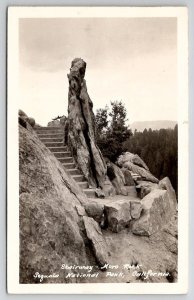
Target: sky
column 128, row 59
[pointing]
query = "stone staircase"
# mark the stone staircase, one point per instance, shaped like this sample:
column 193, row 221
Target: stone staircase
column 137, row 177
column 52, row 137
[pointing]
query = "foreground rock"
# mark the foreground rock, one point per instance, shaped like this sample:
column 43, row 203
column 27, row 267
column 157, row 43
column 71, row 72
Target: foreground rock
column 136, row 209
column 81, row 127
column 117, row 178
column 136, row 165
column 118, row 215
column 95, row 210
column 157, row 211
column 98, row 242
column 145, row 187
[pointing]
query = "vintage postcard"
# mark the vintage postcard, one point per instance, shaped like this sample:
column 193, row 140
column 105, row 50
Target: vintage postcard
column 97, row 141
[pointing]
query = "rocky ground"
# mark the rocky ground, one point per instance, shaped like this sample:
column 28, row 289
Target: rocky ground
column 156, row 253
column 59, row 225
column 145, row 253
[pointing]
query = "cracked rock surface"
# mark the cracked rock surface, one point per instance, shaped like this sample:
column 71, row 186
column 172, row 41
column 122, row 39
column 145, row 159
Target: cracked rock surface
column 81, row 126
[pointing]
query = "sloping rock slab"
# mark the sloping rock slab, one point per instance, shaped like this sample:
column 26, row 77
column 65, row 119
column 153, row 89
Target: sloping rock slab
column 50, row 230
column 94, row 234
column 118, row 215
column 146, row 175
column 165, row 184
column 157, row 211
column 133, row 158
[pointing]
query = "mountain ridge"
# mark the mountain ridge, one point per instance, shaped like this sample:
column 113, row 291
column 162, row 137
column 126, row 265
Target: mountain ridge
column 154, row 125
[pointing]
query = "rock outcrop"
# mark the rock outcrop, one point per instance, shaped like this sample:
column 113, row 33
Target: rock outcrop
column 95, row 210
column 158, row 209
column 136, row 165
column 24, row 120
column 145, row 187
column 165, row 184
column 97, row 240
column 117, row 178
column 133, row 158
column 50, row 226
column 54, row 123
column 136, row 209
column 118, row 215
column 128, row 177
column 57, row 122
column 170, row 235
column 108, row 188
column 81, row 127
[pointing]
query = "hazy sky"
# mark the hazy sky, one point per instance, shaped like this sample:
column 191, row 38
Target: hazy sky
column 129, row 59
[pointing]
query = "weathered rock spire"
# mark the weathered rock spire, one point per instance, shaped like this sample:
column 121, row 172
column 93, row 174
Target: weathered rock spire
column 81, row 123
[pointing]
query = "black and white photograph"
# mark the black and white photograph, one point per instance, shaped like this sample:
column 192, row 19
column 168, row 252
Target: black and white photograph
column 97, row 150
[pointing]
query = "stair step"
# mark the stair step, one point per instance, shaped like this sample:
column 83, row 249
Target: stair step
column 62, row 154
column 66, row 160
column 78, row 178
column 47, row 128
column 49, row 131
column 74, row 172
column 58, row 149
column 83, row 185
column 54, row 144
column 51, row 140
column 69, row 165
column 90, row 193
column 137, row 177
column 53, row 136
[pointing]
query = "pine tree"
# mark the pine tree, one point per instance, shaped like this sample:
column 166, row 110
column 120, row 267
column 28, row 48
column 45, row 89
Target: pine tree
column 111, row 135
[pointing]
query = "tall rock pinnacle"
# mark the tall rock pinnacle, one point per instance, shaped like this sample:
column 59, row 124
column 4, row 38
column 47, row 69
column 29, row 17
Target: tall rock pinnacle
column 81, row 123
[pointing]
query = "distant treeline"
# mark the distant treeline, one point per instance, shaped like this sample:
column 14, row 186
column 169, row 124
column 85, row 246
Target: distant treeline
column 159, row 150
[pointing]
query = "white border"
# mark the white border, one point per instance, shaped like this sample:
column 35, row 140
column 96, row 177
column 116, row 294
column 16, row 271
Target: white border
column 14, row 13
